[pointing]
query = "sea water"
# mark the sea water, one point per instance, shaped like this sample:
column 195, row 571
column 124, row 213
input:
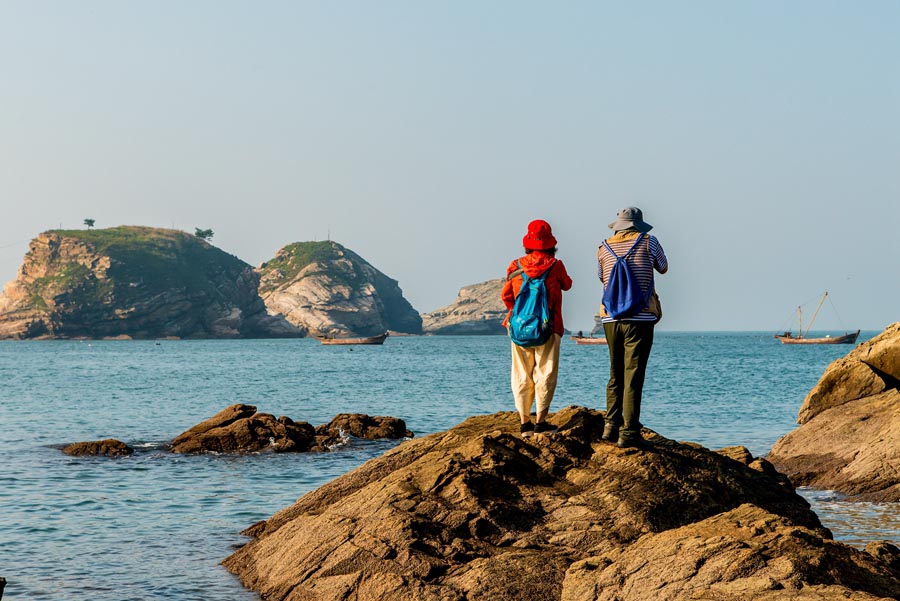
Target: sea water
column 156, row 525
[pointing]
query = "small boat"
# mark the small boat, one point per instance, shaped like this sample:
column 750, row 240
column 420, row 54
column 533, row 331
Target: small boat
column 588, row 340
column 802, row 338
column 366, row 340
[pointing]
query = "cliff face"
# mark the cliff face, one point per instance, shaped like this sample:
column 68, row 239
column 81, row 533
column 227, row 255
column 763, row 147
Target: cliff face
column 849, row 434
column 477, row 310
column 133, row 281
column 477, row 512
column 327, row 289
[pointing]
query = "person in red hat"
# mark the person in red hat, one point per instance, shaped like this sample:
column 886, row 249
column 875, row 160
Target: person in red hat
column 535, row 369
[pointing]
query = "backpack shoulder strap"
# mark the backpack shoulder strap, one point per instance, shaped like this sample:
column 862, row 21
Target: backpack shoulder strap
column 630, row 250
column 634, row 246
column 516, row 272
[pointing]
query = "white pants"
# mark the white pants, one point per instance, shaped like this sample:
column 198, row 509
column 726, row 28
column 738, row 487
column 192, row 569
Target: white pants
column 533, row 375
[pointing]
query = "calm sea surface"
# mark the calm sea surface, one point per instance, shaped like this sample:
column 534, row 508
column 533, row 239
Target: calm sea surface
column 156, row 525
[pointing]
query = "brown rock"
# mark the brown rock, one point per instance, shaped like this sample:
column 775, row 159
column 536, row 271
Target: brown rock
column 240, row 429
column 479, row 513
column 849, row 437
column 743, row 554
column 870, row 368
column 109, row 447
column 853, row 448
column 360, row 425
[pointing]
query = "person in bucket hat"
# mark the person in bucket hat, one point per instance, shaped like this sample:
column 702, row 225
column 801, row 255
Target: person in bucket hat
column 630, row 338
column 535, row 369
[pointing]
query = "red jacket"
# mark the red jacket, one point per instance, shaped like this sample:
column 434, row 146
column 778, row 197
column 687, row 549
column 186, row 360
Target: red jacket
column 534, row 264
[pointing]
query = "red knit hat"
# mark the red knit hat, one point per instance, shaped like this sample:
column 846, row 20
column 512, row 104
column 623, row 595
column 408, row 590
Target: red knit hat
column 539, row 236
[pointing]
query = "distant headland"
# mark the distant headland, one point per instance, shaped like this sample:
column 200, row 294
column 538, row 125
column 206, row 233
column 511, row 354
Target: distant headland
column 134, row 282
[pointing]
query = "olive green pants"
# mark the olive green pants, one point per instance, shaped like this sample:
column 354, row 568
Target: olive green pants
column 629, row 345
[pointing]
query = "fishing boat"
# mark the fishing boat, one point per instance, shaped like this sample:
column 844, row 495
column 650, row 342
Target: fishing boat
column 802, row 338
column 588, row 340
column 365, row 340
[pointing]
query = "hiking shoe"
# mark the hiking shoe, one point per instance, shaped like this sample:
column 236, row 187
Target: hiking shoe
column 633, row 442
column 526, row 429
column 610, row 433
column 545, row 428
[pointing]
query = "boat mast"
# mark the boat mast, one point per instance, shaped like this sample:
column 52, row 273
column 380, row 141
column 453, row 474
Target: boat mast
column 814, row 314
column 800, row 322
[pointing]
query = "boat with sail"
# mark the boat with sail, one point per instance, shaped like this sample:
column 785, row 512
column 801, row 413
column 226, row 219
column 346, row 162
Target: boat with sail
column 802, row 337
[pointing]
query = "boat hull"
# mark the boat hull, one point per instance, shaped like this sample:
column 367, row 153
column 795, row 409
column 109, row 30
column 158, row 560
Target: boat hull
column 342, row 341
column 586, row 340
column 845, row 339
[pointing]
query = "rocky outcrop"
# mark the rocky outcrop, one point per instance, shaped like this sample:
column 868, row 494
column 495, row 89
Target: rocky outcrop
column 743, row 554
column 479, row 513
column 133, row 282
column 109, row 447
column 477, row 310
column 849, row 437
column 365, row 427
column 240, row 429
column 326, row 289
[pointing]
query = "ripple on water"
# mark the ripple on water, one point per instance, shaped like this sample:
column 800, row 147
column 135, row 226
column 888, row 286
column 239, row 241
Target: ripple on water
column 157, row 525
column 855, row 523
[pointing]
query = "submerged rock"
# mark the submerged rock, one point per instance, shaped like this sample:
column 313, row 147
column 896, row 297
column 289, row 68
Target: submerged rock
column 360, row 425
column 477, row 310
column 849, row 437
column 109, row 447
column 479, row 513
column 240, row 429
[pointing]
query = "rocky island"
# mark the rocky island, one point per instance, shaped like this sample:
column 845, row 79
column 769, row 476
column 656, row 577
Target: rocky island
column 477, row 310
column 133, row 282
column 478, row 513
column 325, row 289
column 849, row 434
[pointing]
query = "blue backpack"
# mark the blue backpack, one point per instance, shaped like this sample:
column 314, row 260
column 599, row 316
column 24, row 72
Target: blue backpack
column 529, row 322
column 623, row 295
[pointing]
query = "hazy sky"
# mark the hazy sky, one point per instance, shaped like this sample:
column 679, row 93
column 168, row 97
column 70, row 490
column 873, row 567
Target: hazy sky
column 761, row 139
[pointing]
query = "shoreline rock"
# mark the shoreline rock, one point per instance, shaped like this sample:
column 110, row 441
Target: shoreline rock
column 477, row 512
column 849, row 434
column 109, row 447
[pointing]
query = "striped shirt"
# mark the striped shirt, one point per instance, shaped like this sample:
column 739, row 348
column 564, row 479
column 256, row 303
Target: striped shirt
column 646, row 257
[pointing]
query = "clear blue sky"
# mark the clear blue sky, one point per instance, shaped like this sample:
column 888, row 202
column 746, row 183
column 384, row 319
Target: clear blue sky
column 762, row 139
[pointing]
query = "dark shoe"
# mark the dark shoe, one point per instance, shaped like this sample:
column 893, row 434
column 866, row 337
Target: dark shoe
column 610, row 433
column 545, row 428
column 632, row 442
column 526, row 430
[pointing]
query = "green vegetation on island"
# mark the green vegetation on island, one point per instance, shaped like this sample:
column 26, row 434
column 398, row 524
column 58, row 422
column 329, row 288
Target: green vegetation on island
column 294, row 258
